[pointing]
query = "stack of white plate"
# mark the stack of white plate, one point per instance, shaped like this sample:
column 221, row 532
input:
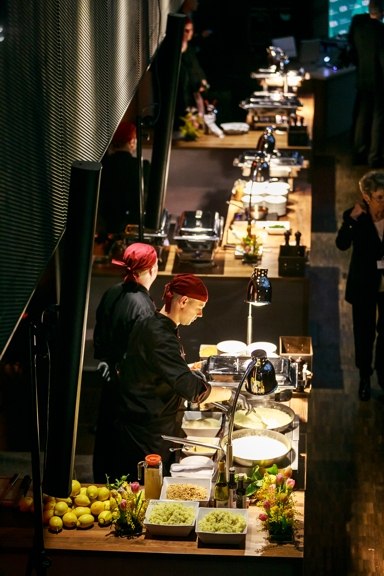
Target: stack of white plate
column 276, row 204
column 256, row 200
column 253, row 188
column 277, row 189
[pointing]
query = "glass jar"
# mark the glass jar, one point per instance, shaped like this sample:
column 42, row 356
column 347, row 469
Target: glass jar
column 153, row 476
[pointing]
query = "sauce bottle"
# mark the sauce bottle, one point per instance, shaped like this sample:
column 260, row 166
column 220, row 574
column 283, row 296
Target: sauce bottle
column 241, row 499
column 153, row 476
column 221, row 493
column 232, row 485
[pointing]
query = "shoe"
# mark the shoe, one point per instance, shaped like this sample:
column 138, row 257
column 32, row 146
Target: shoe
column 365, row 389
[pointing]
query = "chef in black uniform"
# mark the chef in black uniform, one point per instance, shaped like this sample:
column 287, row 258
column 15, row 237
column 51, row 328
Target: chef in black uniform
column 156, row 380
column 362, row 228
column 120, row 307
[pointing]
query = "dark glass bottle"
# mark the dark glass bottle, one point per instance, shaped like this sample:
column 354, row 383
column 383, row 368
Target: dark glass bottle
column 221, row 493
column 232, row 485
column 241, row 499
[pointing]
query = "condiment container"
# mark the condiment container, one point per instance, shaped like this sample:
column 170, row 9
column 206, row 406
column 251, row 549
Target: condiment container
column 153, row 476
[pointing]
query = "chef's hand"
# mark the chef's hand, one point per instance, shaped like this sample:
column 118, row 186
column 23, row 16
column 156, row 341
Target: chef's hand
column 358, row 210
column 242, row 400
column 201, row 366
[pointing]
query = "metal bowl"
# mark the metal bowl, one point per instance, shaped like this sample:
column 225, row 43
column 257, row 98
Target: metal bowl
column 257, row 433
column 275, row 406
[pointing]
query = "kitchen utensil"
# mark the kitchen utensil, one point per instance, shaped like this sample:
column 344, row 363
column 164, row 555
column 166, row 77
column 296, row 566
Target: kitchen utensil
column 190, row 442
column 9, row 486
column 23, row 489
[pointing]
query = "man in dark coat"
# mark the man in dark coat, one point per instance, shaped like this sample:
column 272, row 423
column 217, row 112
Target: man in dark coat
column 120, row 308
column 119, row 202
column 366, row 37
column 156, row 380
column 362, row 228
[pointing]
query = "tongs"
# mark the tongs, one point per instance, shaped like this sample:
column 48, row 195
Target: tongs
column 191, row 442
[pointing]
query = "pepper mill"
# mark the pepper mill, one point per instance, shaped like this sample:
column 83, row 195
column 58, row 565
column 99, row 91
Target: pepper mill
column 286, row 236
column 298, row 236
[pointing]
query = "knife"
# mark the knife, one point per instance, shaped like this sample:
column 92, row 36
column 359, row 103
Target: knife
column 9, row 486
column 23, row 489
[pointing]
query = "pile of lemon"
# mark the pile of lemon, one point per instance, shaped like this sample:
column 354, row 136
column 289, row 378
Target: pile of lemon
column 81, row 509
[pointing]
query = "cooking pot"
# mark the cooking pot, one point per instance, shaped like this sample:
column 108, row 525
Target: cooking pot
column 248, row 462
column 275, row 406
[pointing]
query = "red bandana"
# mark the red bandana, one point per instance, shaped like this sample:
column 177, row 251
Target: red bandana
column 184, row 285
column 137, row 256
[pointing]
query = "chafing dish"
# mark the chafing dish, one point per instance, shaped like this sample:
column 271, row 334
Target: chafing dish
column 198, row 235
column 270, row 107
column 154, row 237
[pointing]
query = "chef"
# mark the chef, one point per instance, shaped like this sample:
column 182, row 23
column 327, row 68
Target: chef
column 155, row 380
column 120, row 307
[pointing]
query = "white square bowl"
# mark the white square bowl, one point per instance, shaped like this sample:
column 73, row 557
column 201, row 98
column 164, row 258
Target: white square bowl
column 205, row 432
column 202, row 482
column 221, row 537
column 169, row 529
column 201, row 451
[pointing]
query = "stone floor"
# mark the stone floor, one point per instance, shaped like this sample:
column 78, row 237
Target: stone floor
column 345, row 478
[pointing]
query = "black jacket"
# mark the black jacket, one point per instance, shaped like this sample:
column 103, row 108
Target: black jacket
column 366, row 37
column 120, row 307
column 154, row 381
column 363, row 277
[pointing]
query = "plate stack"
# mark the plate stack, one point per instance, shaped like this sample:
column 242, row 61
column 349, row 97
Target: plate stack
column 277, row 204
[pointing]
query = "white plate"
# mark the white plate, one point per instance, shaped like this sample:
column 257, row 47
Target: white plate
column 234, row 347
column 169, row 529
column 269, row 347
column 235, row 127
column 202, row 432
column 194, row 466
column 203, row 482
column 221, row 537
column 203, row 452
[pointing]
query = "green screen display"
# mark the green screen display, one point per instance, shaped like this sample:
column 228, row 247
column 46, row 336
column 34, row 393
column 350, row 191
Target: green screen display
column 340, row 14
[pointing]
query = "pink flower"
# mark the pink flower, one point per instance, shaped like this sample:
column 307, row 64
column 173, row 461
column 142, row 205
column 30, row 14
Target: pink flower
column 290, row 483
column 263, row 517
column 272, row 487
column 267, row 505
column 123, row 504
column 287, row 473
column 279, row 478
column 135, row 486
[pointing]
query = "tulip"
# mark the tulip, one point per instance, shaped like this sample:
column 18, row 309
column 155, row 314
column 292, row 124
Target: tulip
column 135, row 487
column 267, row 505
column 123, row 504
column 283, row 497
column 290, row 483
column 287, row 473
column 263, row 517
column 272, row 487
column 279, row 478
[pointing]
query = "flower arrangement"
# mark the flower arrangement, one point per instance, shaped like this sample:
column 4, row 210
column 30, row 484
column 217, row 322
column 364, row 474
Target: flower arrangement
column 275, row 496
column 193, row 124
column 250, row 245
column 129, row 507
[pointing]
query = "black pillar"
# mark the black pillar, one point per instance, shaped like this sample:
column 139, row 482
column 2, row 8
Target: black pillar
column 169, row 58
column 74, row 297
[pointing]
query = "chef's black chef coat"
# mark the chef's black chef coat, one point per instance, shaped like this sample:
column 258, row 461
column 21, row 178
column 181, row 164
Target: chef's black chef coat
column 154, row 381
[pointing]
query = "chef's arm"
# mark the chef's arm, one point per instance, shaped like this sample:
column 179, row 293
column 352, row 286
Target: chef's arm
column 218, row 394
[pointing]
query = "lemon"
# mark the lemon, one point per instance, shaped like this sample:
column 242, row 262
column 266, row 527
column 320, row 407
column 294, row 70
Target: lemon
column 112, row 503
column 107, row 504
column 55, row 523
column 49, row 505
column 104, row 493
column 61, row 508
column 70, row 520
column 97, row 507
column 67, row 500
column 83, row 490
column 47, row 515
column 47, row 498
column 80, row 510
column 82, row 500
column 105, row 518
column 75, row 488
column 85, row 521
column 25, row 504
column 92, row 492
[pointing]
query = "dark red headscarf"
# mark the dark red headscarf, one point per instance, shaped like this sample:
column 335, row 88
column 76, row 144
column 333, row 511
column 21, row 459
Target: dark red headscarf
column 137, row 256
column 125, row 132
column 185, row 285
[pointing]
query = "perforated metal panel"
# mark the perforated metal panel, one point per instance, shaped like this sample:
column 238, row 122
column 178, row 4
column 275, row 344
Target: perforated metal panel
column 68, row 71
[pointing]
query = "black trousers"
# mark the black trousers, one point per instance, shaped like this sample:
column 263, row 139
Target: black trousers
column 368, row 326
column 369, row 125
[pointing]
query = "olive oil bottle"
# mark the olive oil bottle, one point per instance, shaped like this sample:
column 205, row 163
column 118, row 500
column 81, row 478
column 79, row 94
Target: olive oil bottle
column 232, row 485
column 241, row 498
column 221, row 493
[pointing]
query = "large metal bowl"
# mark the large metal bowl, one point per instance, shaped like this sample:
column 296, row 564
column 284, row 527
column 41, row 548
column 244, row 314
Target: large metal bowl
column 275, row 406
column 257, row 433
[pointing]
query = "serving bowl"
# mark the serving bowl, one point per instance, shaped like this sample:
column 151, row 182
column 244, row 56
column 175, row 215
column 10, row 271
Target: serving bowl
column 235, row 127
column 221, row 537
column 195, row 451
column 201, row 482
column 169, row 529
column 248, row 453
column 194, row 467
column 270, row 404
column 203, row 431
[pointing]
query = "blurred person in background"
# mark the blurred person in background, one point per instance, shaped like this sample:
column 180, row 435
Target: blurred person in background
column 120, row 308
column 366, row 37
column 362, row 228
